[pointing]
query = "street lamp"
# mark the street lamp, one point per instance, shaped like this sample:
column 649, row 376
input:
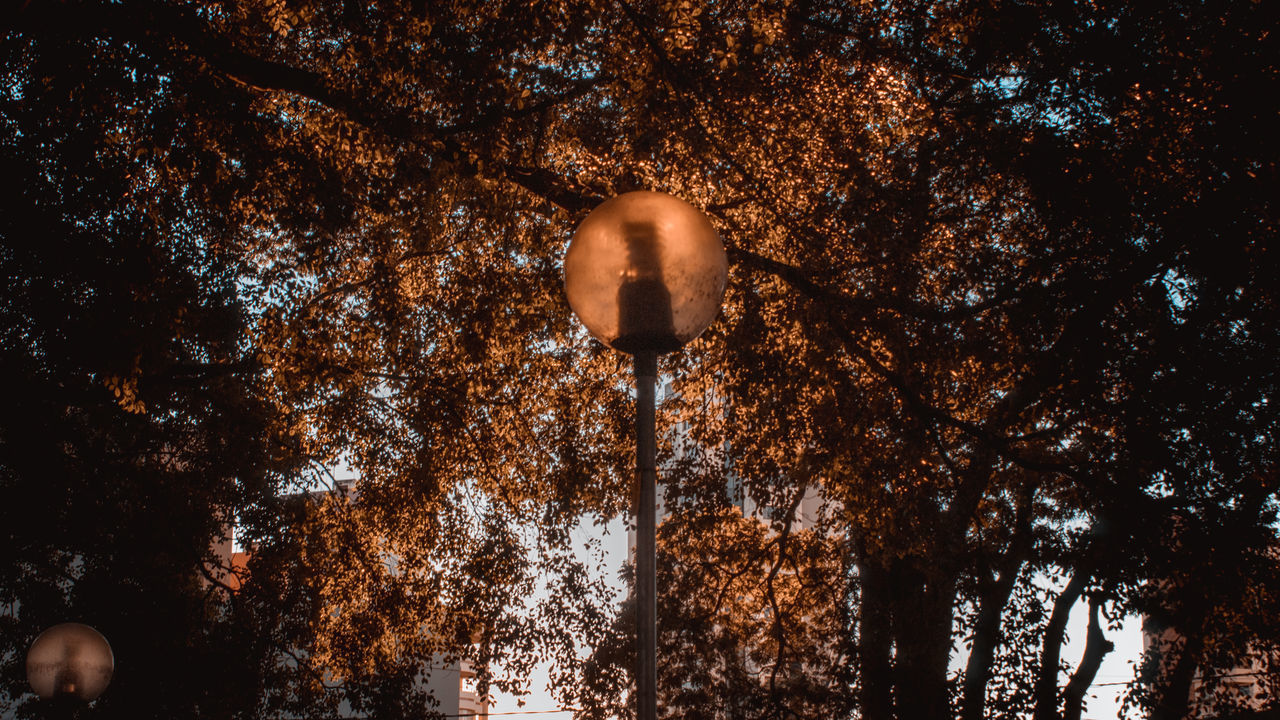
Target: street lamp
column 645, row 272
column 69, row 664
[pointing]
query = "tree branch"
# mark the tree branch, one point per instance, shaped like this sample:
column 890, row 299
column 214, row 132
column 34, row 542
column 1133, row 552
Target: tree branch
column 174, row 31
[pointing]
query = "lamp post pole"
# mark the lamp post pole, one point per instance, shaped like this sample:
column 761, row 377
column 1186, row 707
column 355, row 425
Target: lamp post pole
column 645, row 272
column 646, row 370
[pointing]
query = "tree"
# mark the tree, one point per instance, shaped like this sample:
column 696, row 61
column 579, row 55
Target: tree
column 999, row 285
column 133, row 432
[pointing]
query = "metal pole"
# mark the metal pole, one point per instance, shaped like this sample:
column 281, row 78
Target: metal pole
column 646, row 368
column 64, row 706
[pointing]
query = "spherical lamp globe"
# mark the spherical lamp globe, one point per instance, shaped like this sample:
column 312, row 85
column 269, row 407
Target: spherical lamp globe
column 645, row 272
column 70, row 660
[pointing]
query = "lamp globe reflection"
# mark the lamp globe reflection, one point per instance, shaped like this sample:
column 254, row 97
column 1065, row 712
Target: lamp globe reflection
column 645, row 272
column 70, row 660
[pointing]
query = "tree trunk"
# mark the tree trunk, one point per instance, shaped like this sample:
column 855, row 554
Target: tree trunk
column 922, row 630
column 1096, row 647
column 874, row 643
column 986, row 637
column 1046, row 688
column 992, row 601
column 1174, row 687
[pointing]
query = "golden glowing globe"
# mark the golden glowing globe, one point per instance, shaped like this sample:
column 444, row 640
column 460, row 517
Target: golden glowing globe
column 70, row 660
column 645, row 272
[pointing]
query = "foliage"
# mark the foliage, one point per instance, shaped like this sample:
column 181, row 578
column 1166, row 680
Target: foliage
column 134, row 432
column 1001, row 285
column 753, row 623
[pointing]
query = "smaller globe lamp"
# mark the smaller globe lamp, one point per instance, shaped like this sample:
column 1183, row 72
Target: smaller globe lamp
column 70, row 660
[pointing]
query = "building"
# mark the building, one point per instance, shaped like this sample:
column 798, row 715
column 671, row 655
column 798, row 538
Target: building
column 1239, row 687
